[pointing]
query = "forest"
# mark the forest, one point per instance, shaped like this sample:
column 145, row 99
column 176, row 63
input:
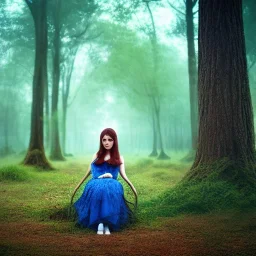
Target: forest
column 176, row 80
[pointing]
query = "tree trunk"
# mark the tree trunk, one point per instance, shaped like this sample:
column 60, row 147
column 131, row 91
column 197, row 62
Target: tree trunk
column 55, row 138
column 162, row 154
column 64, row 121
column 65, row 92
column 156, row 108
column 226, row 143
column 47, row 117
column 36, row 155
column 192, row 71
column 6, row 149
column 154, row 150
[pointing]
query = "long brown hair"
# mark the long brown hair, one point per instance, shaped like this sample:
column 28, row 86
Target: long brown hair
column 114, row 152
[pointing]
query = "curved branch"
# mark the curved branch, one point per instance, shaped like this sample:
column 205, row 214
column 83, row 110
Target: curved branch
column 76, row 93
column 180, row 12
column 194, row 3
column 252, row 64
column 195, row 12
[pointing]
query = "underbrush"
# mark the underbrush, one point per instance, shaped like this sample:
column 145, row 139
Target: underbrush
column 198, row 198
column 45, row 196
column 14, row 173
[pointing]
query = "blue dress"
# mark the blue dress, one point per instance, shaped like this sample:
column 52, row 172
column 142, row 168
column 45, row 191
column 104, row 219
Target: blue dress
column 102, row 200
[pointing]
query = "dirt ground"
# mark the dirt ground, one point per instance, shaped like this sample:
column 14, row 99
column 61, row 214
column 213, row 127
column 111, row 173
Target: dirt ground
column 189, row 235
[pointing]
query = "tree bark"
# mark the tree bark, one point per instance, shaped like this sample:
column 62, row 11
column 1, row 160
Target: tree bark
column 56, row 153
column 226, row 143
column 36, row 155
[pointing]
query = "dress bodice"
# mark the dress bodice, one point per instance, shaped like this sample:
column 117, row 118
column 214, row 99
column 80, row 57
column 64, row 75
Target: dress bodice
column 99, row 169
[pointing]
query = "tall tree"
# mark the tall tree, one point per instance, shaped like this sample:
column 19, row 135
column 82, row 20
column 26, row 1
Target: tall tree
column 188, row 17
column 226, row 144
column 56, row 153
column 36, row 155
column 72, row 23
column 155, row 92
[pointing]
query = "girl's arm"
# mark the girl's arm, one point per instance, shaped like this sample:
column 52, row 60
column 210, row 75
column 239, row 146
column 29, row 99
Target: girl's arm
column 83, row 179
column 124, row 176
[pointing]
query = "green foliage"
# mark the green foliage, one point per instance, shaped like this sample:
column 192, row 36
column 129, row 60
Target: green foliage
column 199, row 197
column 13, row 173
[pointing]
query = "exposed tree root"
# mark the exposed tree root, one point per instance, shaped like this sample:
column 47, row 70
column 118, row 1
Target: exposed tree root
column 57, row 157
column 189, row 157
column 163, row 156
column 153, row 153
column 238, row 172
column 37, row 158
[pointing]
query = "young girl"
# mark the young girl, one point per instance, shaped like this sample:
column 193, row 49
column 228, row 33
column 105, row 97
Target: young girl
column 102, row 205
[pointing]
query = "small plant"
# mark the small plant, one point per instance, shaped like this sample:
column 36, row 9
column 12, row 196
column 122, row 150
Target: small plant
column 13, row 173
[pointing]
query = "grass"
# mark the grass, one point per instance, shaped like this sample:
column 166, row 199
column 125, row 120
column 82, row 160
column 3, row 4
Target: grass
column 39, row 195
column 210, row 218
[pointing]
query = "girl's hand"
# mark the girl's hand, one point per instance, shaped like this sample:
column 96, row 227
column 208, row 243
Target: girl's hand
column 106, row 175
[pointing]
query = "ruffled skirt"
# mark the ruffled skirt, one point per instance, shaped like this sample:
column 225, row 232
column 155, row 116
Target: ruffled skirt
column 103, row 201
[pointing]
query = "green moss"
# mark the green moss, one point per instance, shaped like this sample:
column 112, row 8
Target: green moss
column 237, row 171
column 13, row 173
column 199, row 197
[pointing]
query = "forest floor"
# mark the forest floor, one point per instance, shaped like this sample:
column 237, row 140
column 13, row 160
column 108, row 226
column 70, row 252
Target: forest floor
column 231, row 234
column 27, row 229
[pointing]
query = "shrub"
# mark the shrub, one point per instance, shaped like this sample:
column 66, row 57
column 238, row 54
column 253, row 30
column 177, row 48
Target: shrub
column 13, row 173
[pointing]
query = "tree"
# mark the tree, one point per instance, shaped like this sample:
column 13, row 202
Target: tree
column 56, row 153
column 130, row 70
column 71, row 23
column 192, row 65
column 155, row 91
column 226, row 144
column 36, row 155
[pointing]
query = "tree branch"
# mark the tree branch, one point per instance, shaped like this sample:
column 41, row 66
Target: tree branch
column 195, row 12
column 180, row 12
column 82, row 32
column 30, row 6
column 76, row 93
column 93, row 37
column 193, row 3
column 252, row 64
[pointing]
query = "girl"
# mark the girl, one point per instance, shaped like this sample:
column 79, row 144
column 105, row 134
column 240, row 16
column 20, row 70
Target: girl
column 102, row 205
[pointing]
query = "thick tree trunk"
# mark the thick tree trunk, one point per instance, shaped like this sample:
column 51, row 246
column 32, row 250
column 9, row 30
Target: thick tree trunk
column 56, row 153
column 226, row 131
column 36, row 155
column 192, row 71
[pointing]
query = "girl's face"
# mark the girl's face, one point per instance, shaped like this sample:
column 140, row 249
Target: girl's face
column 107, row 142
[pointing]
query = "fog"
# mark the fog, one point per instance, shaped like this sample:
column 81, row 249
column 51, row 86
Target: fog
column 118, row 67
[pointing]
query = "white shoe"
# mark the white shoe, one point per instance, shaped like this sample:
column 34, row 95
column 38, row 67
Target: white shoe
column 100, row 229
column 106, row 230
